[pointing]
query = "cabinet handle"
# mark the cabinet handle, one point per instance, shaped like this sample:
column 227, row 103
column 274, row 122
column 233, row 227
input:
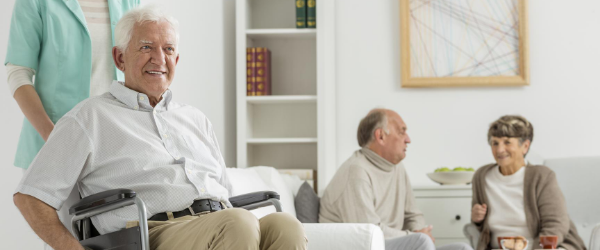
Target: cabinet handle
column 458, row 217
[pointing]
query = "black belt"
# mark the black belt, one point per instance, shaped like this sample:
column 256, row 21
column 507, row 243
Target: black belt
column 199, row 206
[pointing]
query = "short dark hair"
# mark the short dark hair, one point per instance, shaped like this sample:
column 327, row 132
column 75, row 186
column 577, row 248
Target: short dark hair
column 514, row 126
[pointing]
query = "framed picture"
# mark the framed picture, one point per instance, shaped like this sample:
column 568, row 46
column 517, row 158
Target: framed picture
column 448, row 43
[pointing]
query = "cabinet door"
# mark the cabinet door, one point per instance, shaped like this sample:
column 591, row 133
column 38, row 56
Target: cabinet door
column 447, row 215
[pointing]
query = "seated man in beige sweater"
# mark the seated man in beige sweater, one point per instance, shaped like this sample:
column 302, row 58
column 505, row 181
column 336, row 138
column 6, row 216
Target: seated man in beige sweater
column 372, row 187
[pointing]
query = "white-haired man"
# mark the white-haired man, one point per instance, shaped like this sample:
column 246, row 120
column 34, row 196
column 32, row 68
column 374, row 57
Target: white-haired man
column 372, row 186
column 136, row 137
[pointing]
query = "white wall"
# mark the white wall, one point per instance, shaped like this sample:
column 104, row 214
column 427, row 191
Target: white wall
column 205, row 79
column 448, row 126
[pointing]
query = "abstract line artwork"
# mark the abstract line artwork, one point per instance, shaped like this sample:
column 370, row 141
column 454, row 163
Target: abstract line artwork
column 463, row 42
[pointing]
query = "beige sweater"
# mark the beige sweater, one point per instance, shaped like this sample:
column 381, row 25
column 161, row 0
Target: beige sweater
column 370, row 189
column 545, row 209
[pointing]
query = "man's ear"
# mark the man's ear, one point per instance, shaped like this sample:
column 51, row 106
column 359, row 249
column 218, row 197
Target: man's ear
column 118, row 58
column 378, row 135
column 177, row 59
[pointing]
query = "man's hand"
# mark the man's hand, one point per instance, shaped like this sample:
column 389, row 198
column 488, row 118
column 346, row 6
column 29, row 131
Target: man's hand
column 478, row 213
column 427, row 231
column 44, row 221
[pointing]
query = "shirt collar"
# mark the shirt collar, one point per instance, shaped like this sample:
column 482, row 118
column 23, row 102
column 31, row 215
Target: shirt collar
column 377, row 160
column 136, row 100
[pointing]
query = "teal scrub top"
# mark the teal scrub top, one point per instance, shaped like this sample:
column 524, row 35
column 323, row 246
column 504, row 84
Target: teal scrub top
column 51, row 37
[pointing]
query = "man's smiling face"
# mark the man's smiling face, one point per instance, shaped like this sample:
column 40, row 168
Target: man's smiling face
column 150, row 59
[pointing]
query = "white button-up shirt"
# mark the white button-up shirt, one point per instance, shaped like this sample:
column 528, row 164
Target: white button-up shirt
column 168, row 155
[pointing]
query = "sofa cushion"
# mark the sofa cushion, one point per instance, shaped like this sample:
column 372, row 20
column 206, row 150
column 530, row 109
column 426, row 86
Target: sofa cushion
column 307, row 204
column 274, row 180
column 293, row 182
column 246, row 180
column 343, row 236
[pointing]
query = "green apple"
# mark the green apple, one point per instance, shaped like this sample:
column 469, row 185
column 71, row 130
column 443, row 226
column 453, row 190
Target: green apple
column 443, row 169
column 471, row 169
column 456, row 169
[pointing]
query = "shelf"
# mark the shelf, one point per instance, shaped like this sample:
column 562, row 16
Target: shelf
column 281, row 33
column 294, row 127
column 281, row 99
column 281, row 140
column 283, row 155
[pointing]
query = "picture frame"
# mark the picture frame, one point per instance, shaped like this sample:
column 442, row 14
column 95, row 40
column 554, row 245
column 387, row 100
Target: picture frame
column 452, row 43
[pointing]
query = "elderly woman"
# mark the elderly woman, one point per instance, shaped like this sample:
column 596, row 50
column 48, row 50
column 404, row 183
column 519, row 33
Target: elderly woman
column 513, row 198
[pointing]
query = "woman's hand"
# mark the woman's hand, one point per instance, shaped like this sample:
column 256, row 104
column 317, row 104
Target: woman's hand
column 31, row 106
column 478, row 213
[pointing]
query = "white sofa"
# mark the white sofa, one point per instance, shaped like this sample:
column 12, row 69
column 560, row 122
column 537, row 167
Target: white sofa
column 579, row 180
column 321, row 236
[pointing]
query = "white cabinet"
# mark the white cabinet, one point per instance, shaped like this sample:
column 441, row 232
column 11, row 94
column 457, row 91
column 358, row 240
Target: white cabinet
column 447, row 208
column 295, row 126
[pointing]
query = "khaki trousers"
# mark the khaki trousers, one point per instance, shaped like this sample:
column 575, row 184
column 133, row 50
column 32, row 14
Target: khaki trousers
column 228, row 229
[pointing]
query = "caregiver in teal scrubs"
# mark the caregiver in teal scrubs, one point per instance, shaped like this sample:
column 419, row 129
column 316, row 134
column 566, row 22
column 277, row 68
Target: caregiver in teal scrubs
column 67, row 45
column 52, row 39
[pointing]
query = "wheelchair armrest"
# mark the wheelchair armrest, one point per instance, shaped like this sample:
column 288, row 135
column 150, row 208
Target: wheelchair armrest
column 107, row 201
column 255, row 200
column 101, row 200
column 250, row 198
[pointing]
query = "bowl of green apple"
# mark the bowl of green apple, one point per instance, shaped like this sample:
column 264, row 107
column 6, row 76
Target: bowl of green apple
column 455, row 176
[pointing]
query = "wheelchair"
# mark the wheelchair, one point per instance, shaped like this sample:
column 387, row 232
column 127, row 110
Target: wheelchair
column 136, row 238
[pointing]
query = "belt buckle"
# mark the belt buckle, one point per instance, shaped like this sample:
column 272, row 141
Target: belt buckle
column 192, row 211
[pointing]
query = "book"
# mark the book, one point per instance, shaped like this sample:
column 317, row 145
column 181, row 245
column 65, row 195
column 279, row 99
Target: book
column 250, row 71
column 311, row 14
column 263, row 72
column 300, row 13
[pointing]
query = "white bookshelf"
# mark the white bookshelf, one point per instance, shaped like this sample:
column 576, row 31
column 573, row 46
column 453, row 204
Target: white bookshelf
column 295, row 126
column 282, row 99
column 282, row 140
column 281, row 33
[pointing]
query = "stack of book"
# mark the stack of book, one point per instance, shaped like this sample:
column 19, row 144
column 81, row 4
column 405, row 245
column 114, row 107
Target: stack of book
column 308, row 175
column 258, row 71
column 306, row 14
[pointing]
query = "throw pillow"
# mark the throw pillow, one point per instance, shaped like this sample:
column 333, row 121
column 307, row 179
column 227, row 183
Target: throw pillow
column 307, row 204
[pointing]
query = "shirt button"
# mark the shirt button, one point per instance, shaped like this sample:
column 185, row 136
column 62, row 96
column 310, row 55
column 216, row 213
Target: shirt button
column 141, row 98
column 202, row 190
column 189, row 171
column 154, row 112
column 166, row 136
column 136, row 107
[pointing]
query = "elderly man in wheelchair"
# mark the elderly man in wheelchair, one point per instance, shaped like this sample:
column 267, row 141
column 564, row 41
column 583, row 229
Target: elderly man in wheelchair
column 158, row 154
